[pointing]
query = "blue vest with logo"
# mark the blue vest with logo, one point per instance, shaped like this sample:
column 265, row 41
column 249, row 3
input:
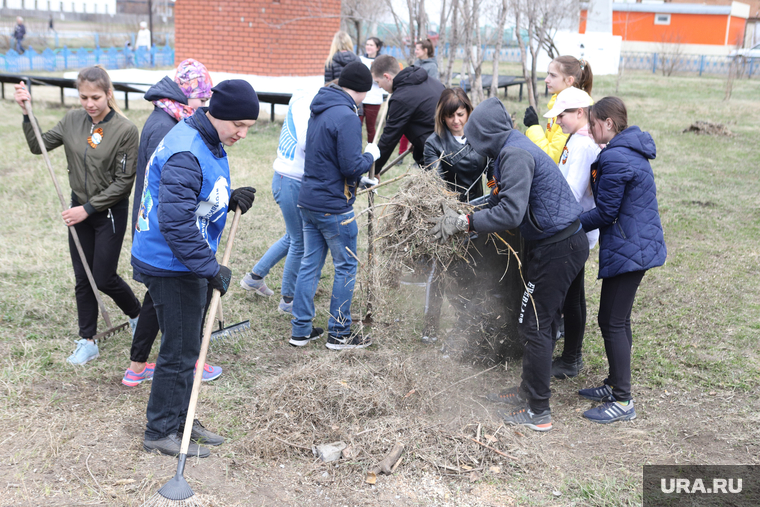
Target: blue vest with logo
column 552, row 207
column 149, row 245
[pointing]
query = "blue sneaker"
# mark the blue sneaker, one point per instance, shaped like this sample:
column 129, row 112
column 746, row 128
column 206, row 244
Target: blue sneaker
column 603, row 393
column 256, row 286
column 85, row 352
column 133, row 325
column 610, row 412
column 285, row 307
column 209, row 372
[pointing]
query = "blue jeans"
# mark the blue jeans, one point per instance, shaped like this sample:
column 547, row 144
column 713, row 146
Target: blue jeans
column 323, row 232
column 285, row 191
column 179, row 302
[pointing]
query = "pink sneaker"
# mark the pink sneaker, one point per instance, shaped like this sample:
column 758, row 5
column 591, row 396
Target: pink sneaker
column 131, row 379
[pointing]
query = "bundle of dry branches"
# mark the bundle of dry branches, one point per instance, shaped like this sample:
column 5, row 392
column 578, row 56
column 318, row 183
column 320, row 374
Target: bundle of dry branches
column 404, row 225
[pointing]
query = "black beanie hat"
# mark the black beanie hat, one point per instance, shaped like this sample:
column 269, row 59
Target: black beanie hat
column 356, row 77
column 234, row 100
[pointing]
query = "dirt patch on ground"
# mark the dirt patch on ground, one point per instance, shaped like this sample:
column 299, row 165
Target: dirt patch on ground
column 709, row 129
column 80, row 442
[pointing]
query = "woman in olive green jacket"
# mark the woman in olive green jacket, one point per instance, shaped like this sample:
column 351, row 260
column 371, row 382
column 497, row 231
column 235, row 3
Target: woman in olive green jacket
column 101, row 153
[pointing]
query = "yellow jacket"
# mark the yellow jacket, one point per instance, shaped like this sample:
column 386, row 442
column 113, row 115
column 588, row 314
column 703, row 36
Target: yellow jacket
column 553, row 140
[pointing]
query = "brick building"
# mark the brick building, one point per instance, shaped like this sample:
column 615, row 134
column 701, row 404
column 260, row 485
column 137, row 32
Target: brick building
column 260, row 37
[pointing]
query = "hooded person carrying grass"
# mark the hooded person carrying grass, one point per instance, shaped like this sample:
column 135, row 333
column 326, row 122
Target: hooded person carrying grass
column 531, row 195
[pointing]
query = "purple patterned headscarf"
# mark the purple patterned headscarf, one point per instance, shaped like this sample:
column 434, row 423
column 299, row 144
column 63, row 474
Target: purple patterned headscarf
column 194, row 80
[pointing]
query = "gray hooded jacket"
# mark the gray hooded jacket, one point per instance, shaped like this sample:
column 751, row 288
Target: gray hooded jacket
column 532, row 193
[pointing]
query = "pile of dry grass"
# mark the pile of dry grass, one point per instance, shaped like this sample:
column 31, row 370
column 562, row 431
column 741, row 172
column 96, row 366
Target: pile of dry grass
column 370, row 400
column 404, row 223
column 708, row 128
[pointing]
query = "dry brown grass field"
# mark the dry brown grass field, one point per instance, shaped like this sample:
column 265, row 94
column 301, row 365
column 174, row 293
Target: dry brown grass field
column 73, row 436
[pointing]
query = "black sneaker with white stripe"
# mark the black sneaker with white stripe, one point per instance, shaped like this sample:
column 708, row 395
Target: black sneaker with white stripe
column 610, row 412
column 603, row 393
column 356, row 340
column 300, row 341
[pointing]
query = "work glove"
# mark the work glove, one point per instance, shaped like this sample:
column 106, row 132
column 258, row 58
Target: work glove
column 221, row 281
column 449, row 224
column 366, row 182
column 531, row 117
column 242, row 198
column 373, row 150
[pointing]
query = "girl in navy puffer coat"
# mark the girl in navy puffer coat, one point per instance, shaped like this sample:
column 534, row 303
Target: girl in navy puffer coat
column 631, row 242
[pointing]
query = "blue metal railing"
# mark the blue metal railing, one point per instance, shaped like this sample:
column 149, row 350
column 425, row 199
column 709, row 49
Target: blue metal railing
column 63, row 59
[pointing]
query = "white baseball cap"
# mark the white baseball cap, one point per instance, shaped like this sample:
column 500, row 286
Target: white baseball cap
column 569, row 98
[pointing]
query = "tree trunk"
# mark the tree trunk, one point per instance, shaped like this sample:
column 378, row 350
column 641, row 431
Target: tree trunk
column 477, row 82
column 454, row 44
column 524, row 57
column 442, row 34
column 497, row 49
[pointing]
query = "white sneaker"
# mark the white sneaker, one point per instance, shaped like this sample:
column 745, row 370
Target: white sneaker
column 256, row 286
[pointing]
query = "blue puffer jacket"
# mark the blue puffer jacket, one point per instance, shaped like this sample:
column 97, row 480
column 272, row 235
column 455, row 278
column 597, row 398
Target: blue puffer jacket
column 334, row 161
column 626, row 212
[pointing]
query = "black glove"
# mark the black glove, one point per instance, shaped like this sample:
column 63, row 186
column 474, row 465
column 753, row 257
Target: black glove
column 531, row 117
column 242, row 198
column 448, row 225
column 221, row 281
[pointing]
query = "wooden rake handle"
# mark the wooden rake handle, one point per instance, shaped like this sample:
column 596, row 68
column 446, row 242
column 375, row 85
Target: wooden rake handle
column 207, row 330
column 72, row 230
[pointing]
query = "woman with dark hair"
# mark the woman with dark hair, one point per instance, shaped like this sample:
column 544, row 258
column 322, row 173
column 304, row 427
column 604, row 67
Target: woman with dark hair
column 101, row 154
column 447, row 150
column 462, row 168
column 425, row 54
column 631, row 242
column 374, row 98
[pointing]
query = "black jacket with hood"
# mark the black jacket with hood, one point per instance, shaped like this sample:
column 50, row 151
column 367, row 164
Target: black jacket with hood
column 411, row 113
column 532, row 193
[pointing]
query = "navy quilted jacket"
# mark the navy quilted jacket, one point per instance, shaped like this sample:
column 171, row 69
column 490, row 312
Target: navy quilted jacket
column 626, row 212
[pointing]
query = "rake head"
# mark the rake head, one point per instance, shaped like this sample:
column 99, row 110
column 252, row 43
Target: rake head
column 175, row 493
column 110, row 332
column 240, row 328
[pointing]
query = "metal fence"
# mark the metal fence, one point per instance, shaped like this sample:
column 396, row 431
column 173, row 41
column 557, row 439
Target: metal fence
column 694, row 64
column 63, row 59
column 655, row 62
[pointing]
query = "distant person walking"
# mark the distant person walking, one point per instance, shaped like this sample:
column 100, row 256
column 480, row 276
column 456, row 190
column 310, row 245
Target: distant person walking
column 143, row 36
column 18, row 33
column 341, row 54
column 51, row 28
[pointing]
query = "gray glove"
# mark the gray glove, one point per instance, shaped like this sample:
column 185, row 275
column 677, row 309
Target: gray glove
column 448, row 225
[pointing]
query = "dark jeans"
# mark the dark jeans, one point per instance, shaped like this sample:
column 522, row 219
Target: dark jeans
column 179, row 303
column 615, row 308
column 101, row 237
column 575, row 319
column 549, row 272
column 147, row 328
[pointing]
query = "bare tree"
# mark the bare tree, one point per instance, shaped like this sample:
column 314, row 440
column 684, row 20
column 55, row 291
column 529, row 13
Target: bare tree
column 360, row 16
column 416, row 26
column 541, row 19
column 443, row 34
column 671, row 53
column 503, row 9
